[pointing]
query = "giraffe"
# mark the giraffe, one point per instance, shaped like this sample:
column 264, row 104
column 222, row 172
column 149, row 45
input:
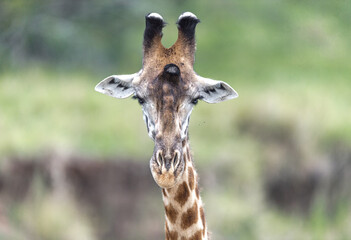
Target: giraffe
column 167, row 88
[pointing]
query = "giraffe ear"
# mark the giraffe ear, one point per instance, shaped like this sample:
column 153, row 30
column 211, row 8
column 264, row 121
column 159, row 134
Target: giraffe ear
column 118, row 86
column 213, row 91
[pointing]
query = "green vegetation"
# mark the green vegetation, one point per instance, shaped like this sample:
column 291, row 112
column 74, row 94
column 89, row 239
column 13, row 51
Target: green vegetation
column 289, row 61
column 63, row 112
column 52, row 112
column 42, row 110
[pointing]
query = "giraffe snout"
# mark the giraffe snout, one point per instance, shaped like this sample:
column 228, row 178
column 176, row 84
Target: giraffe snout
column 168, row 160
column 166, row 167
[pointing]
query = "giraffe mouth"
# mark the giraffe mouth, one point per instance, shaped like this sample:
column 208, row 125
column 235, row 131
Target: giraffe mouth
column 167, row 173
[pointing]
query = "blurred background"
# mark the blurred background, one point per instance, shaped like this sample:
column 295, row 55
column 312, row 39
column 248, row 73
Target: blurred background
column 274, row 164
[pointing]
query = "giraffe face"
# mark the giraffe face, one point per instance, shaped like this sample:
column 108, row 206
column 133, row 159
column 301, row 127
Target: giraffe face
column 167, row 102
column 167, row 88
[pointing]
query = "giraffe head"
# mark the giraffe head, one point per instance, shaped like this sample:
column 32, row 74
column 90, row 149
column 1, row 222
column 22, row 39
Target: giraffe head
column 167, row 88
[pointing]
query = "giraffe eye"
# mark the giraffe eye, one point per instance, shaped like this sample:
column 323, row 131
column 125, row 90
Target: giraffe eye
column 140, row 100
column 195, row 101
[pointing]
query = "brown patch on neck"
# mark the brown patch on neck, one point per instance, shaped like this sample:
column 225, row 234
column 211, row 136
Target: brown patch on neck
column 186, row 155
column 189, row 217
column 196, row 236
column 182, row 194
column 164, row 192
column 202, row 215
column 171, row 235
column 191, row 178
column 197, row 191
column 171, row 213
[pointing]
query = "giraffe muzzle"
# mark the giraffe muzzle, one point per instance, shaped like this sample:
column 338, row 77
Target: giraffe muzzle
column 168, row 160
column 166, row 167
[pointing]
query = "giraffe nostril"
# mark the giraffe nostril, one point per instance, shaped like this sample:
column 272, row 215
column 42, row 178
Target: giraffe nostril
column 159, row 158
column 168, row 160
column 176, row 159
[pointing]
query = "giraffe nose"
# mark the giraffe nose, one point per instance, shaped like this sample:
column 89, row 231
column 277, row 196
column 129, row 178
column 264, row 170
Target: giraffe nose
column 168, row 160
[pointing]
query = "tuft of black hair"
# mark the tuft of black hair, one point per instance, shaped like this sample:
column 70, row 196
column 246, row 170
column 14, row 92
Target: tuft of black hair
column 187, row 25
column 153, row 28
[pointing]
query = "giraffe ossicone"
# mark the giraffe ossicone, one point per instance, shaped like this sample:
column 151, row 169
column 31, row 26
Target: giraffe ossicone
column 155, row 15
column 167, row 88
column 187, row 14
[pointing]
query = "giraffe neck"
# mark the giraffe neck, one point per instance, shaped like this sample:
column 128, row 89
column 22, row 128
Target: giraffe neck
column 185, row 218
